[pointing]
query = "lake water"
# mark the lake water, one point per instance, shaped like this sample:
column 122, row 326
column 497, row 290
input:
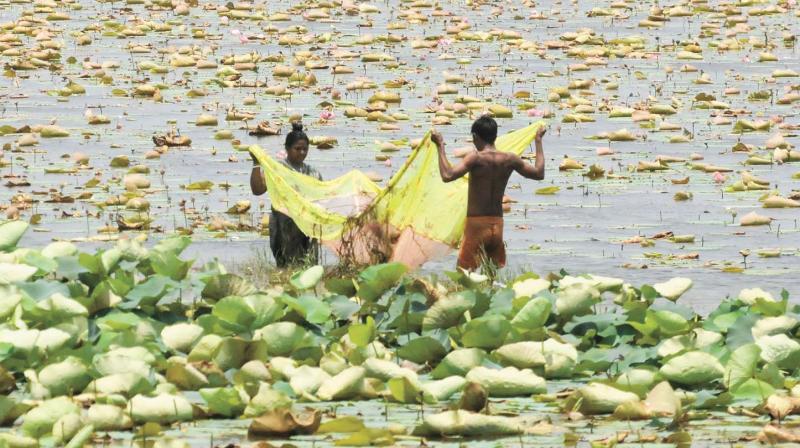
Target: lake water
column 580, row 229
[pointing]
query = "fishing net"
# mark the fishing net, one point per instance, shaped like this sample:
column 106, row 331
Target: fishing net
column 415, row 218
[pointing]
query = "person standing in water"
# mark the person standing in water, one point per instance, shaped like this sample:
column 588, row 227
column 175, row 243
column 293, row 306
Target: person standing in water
column 489, row 170
column 288, row 243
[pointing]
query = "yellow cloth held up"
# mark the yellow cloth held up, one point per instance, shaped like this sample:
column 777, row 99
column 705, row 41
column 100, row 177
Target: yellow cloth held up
column 425, row 214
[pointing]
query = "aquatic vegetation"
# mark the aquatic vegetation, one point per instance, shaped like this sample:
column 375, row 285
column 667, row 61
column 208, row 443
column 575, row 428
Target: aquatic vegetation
column 131, row 338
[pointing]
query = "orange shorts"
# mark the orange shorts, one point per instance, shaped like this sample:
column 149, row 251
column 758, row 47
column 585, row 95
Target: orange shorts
column 482, row 234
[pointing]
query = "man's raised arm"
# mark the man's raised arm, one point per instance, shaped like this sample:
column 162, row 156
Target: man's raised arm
column 446, row 171
column 535, row 171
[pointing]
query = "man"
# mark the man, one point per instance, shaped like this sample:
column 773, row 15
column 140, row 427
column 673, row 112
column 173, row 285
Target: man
column 489, row 170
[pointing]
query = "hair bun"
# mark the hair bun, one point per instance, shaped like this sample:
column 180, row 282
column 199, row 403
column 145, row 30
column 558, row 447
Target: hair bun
column 297, row 126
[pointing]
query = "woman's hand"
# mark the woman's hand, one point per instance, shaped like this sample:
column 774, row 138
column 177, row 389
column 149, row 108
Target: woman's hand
column 540, row 133
column 437, row 138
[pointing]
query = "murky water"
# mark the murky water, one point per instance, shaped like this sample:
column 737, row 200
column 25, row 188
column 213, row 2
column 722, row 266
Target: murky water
column 580, row 229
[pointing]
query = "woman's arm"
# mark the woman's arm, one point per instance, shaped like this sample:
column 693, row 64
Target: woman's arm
column 257, row 184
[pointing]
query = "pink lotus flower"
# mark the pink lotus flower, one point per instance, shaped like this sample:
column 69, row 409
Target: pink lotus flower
column 535, row 113
column 281, row 155
column 388, row 163
column 719, row 177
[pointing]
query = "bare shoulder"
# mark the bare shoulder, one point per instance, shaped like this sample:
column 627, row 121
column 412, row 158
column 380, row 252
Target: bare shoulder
column 512, row 159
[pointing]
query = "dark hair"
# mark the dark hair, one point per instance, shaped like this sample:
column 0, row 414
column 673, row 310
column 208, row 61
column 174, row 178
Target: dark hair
column 486, row 128
column 296, row 135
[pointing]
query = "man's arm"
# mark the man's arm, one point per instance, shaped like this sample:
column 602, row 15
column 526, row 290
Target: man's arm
column 535, row 171
column 257, row 184
column 446, row 171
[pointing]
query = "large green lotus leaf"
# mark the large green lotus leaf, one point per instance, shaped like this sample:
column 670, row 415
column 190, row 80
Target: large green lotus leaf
column 375, row 280
column 576, row 299
column 342, row 307
column 405, row 390
column 421, row 350
column 124, row 360
column 225, row 401
column 468, row 424
column 174, row 244
column 692, row 368
column 602, row 284
column 204, row 349
column 39, row 420
column 66, row 377
column 769, row 326
column 751, row 295
column 45, row 265
column 633, row 410
column 533, row 315
column 598, row 398
column 12, row 440
column 126, row 384
column 169, row 265
column 312, row 308
column 780, row 350
column 186, row 376
column 308, row 278
column 46, row 342
column 254, row 371
column 447, row 312
column 741, row 365
column 282, row 368
column 458, row 362
column 753, row 390
column 343, row 386
column 163, row 409
column 442, row 390
column 224, row 285
column 558, row 359
column 13, row 273
column 361, row 334
column 529, row 287
column 65, row 428
column 385, row 370
column 107, row 417
column 22, row 341
column 333, row 363
column 82, row 437
column 283, row 338
column 42, row 289
column 10, row 234
column 346, row 424
column 663, row 401
column 507, row 382
column 669, row 323
column 266, row 400
column 487, row 332
column 638, row 380
column 11, row 298
column 57, row 308
column 118, row 321
column 147, row 294
column 182, row 336
column 307, row 380
column 231, row 353
column 674, row 288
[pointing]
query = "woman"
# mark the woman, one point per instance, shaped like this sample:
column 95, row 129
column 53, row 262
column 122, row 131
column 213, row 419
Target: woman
column 288, row 243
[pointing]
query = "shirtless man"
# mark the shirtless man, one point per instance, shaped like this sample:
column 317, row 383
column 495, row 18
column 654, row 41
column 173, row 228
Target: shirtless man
column 489, row 170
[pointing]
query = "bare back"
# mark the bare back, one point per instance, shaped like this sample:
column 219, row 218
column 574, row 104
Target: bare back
column 488, row 177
